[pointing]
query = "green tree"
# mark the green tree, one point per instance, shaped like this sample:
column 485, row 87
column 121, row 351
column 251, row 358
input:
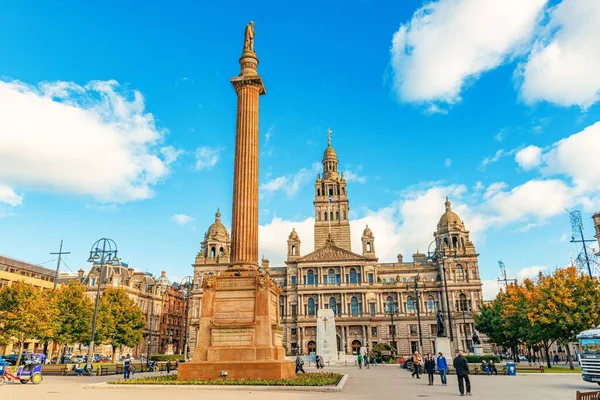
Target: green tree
column 565, row 303
column 26, row 313
column 74, row 320
column 120, row 321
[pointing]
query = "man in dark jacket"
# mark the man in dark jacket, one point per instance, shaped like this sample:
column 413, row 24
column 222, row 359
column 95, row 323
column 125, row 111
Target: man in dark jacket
column 461, row 366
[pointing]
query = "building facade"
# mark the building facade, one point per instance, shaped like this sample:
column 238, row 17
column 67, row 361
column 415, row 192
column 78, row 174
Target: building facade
column 11, row 271
column 394, row 303
column 596, row 218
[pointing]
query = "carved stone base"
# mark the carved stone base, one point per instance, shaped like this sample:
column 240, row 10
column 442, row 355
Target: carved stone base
column 264, row 369
column 240, row 331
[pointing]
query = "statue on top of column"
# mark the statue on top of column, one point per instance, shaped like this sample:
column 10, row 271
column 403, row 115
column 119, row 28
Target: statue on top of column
column 249, row 37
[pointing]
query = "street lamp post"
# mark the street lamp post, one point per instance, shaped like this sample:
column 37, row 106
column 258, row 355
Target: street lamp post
column 392, row 310
column 104, row 251
column 187, row 285
column 151, row 287
column 418, row 307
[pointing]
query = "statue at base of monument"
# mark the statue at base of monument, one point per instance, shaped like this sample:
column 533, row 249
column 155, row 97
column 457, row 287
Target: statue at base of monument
column 476, row 339
column 441, row 329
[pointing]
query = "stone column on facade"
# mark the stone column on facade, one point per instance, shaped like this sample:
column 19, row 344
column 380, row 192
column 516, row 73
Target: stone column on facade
column 244, row 223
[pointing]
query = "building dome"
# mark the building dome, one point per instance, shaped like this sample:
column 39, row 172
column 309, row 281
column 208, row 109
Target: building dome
column 450, row 218
column 217, row 229
column 329, row 153
column 367, row 231
column 294, row 235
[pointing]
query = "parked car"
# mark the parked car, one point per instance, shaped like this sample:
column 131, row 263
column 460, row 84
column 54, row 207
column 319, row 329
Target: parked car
column 63, row 360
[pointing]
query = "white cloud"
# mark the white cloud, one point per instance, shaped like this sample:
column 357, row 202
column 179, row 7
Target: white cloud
column 448, row 162
column 499, row 136
column 354, row 177
column 490, row 288
column 290, row 184
column 8, row 196
column 207, row 157
column 181, row 219
column 269, row 134
column 497, row 156
column 94, row 140
column 494, row 189
column 272, row 238
column 449, row 43
column 577, row 157
column 564, row 63
column 529, row 158
column 171, row 154
column 530, row 272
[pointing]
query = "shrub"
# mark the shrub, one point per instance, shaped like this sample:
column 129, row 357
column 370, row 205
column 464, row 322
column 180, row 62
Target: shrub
column 479, row 359
column 167, row 357
column 311, row 379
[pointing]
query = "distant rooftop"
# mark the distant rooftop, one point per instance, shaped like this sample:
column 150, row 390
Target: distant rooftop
column 8, row 262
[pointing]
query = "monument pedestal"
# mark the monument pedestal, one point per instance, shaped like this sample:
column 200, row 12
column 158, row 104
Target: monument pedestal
column 169, row 350
column 478, row 350
column 240, row 333
column 442, row 344
column 326, row 335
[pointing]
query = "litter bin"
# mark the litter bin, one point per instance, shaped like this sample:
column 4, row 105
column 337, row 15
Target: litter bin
column 511, row 368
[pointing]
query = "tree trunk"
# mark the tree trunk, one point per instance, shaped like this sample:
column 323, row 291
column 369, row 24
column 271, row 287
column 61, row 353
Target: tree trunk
column 546, row 351
column 21, row 345
column 569, row 356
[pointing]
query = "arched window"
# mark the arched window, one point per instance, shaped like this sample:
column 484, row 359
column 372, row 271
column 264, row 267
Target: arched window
column 325, row 215
column 354, row 306
column 310, row 277
column 331, row 216
column 318, row 215
column 430, row 305
column 311, row 307
column 337, row 215
column 368, row 246
column 353, row 275
column 318, row 192
column 293, row 250
column 410, row 305
column 445, row 241
column 213, row 252
column 221, row 251
column 331, row 191
column 356, row 345
column 389, row 304
column 311, row 347
column 344, row 215
column 331, row 276
column 454, row 241
column 459, row 272
column 333, row 305
column 463, row 303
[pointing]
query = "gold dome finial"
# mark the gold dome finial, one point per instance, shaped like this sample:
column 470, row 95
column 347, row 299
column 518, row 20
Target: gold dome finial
column 218, row 215
column 329, row 132
column 448, row 204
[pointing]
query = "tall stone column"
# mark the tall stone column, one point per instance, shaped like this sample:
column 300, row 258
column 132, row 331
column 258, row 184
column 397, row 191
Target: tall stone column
column 244, row 225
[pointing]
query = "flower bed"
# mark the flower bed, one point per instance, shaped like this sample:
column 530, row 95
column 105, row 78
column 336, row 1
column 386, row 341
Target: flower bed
column 311, row 379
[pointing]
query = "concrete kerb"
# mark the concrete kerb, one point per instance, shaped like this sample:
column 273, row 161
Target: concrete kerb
column 337, row 388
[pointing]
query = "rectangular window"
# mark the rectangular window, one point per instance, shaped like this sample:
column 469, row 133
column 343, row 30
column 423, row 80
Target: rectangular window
column 392, row 329
column 414, row 347
column 413, row 329
column 433, row 329
column 372, row 308
column 371, row 279
column 392, row 280
column 294, row 331
column 325, row 279
column 339, row 278
column 384, row 280
column 294, row 281
column 374, row 332
column 93, row 282
column 294, row 310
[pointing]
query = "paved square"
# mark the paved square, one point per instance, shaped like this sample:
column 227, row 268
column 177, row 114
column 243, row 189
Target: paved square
column 382, row 382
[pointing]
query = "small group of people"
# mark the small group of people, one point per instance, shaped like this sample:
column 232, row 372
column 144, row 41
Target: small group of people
column 431, row 364
column 86, row 370
column 319, row 362
column 364, row 360
column 489, row 368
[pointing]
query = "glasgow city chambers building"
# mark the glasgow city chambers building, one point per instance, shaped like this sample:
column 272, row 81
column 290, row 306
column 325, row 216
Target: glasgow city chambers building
column 395, row 303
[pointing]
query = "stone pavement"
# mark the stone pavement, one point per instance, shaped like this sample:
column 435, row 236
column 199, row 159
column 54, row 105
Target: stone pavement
column 382, row 382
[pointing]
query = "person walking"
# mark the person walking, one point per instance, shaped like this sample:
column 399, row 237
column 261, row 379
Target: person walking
column 360, row 361
column 126, row 367
column 416, row 363
column 367, row 361
column 168, row 367
column 442, row 367
column 461, row 366
column 299, row 365
column 430, row 368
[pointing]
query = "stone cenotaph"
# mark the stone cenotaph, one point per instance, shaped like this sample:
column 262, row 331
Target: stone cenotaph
column 240, row 335
column 326, row 337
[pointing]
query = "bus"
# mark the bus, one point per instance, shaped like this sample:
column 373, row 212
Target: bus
column 589, row 355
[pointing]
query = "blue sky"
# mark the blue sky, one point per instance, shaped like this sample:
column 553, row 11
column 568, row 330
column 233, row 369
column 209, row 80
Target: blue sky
column 119, row 120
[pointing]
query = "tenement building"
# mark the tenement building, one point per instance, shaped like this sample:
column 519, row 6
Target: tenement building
column 395, row 303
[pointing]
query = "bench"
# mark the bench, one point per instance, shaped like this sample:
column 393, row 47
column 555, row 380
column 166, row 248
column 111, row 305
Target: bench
column 587, row 395
column 531, row 368
column 60, row 369
column 106, row 369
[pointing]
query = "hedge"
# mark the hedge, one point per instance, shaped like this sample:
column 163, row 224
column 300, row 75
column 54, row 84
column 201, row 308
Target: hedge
column 310, row 379
column 479, row 359
column 167, row 357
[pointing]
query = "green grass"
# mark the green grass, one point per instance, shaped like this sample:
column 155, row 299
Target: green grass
column 554, row 370
column 311, row 379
